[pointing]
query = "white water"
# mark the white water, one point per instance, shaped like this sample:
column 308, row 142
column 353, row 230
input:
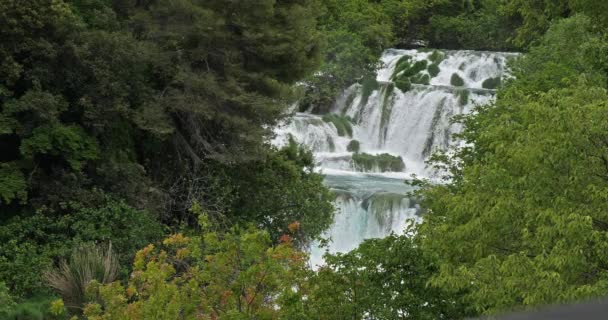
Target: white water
column 416, row 123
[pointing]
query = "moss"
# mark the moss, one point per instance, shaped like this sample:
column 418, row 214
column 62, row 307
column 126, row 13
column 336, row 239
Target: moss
column 433, row 70
column 383, row 162
column 406, row 70
column 456, row 80
column 404, row 63
column 421, row 79
column 403, row 84
column 491, row 83
column 387, row 104
column 436, row 57
column 416, row 68
column 463, row 96
column 353, row 146
column 343, row 124
column 331, row 144
column 368, row 86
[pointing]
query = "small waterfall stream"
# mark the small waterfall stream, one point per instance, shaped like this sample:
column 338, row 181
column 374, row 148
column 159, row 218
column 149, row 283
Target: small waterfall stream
column 405, row 127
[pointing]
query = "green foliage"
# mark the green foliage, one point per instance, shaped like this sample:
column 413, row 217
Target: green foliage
column 234, row 275
column 7, row 303
column 343, row 124
column 36, row 308
column 287, row 177
column 527, row 184
column 31, row 243
column 353, row 146
column 382, row 162
column 491, row 83
column 87, row 263
column 572, row 47
column 381, row 279
column 12, row 183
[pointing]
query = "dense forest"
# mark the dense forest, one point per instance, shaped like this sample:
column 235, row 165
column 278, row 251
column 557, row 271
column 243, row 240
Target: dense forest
column 137, row 180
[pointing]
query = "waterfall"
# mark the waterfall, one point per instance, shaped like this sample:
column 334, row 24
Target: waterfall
column 375, row 138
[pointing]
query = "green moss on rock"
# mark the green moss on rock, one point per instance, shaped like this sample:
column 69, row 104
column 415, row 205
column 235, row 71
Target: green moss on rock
column 463, row 96
column 343, row 124
column 382, row 162
column 433, row 70
column 491, row 83
column 456, row 80
column 353, row 146
column 421, row 79
column 403, row 84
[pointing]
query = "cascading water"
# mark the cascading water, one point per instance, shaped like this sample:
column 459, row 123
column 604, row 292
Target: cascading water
column 380, row 133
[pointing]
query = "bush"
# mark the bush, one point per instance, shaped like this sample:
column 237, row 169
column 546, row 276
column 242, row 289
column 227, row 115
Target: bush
column 32, row 243
column 36, row 308
column 6, row 301
column 212, row 275
column 87, row 263
column 433, row 70
column 491, row 83
column 456, row 80
column 353, row 146
column 382, row 162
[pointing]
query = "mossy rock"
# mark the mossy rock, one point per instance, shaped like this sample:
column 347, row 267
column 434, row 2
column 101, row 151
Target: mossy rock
column 403, row 84
column 433, row 70
column 403, row 63
column 416, row 68
column 353, row 146
column 436, row 57
column 456, row 80
column 421, row 79
column 383, row 162
column 343, row 124
column 463, row 96
column 491, row 83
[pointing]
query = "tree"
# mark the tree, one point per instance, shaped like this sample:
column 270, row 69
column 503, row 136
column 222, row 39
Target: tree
column 234, row 275
column 381, row 279
column 523, row 221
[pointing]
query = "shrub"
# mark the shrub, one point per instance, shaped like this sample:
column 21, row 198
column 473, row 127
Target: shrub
column 87, row 263
column 433, row 70
column 36, row 308
column 456, row 80
column 6, row 301
column 491, row 83
column 31, row 243
column 383, row 162
column 353, row 146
